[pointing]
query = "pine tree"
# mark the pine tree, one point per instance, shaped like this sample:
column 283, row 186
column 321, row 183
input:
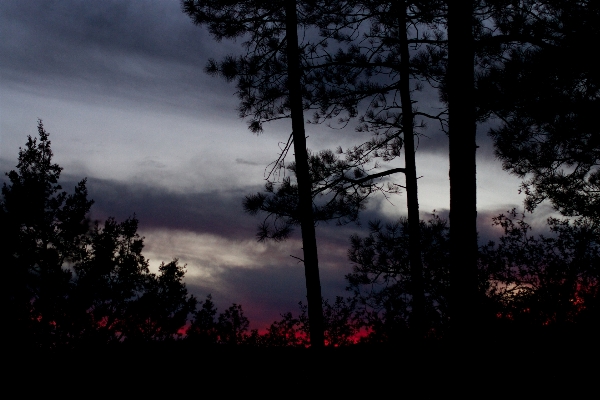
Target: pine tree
column 43, row 230
column 370, row 69
column 545, row 94
column 67, row 284
column 463, row 185
column 269, row 83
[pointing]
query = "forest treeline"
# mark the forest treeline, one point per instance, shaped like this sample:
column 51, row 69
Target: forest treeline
column 72, row 283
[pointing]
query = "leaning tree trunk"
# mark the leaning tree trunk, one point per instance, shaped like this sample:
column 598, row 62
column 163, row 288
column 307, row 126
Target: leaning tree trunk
column 412, row 199
column 307, row 224
column 463, row 186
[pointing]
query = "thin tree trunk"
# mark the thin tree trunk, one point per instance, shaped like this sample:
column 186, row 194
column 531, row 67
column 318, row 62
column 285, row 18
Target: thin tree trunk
column 307, row 225
column 463, row 185
column 412, row 199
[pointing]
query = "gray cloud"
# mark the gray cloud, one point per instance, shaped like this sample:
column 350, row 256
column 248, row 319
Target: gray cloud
column 65, row 31
column 220, row 213
column 214, row 212
column 147, row 51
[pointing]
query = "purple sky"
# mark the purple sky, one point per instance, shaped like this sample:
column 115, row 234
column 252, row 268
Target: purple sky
column 120, row 88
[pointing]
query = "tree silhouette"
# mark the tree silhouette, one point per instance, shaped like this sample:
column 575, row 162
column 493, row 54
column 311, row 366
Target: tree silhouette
column 43, row 228
column 269, row 82
column 230, row 327
column 285, row 333
column 463, row 187
column 381, row 279
column 525, row 282
column 371, row 70
column 544, row 280
column 204, row 329
column 339, row 321
column 233, row 325
column 110, row 279
column 69, row 284
column 545, row 96
column 117, row 298
column 340, row 189
column 163, row 308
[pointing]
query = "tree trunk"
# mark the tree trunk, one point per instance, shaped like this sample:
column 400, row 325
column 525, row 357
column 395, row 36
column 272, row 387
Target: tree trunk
column 412, row 199
column 463, row 186
column 307, row 225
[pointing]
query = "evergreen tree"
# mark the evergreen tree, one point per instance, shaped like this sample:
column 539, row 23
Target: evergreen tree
column 204, row 329
column 460, row 92
column 382, row 278
column 269, row 82
column 545, row 280
column 285, row 333
column 43, row 230
column 229, row 327
column 109, row 281
column 544, row 94
column 233, row 325
column 372, row 70
column 68, row 284
column 116, row 298
column 162, row 310
column 339, row 321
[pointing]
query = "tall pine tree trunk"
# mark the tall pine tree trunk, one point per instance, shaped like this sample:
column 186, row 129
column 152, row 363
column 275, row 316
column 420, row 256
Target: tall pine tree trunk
column 463, row 187
column 307, row 225
column 412, row 199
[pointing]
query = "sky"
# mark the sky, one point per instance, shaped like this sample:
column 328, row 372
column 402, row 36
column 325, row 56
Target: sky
column 120, row 87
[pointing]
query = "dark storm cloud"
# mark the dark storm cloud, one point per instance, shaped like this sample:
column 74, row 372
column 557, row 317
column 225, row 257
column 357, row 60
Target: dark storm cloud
column 157, row 208
column 265, row 290
column 143, row 50
column 218, row 213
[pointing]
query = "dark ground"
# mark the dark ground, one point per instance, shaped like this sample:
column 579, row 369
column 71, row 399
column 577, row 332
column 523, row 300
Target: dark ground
column 521, row 367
